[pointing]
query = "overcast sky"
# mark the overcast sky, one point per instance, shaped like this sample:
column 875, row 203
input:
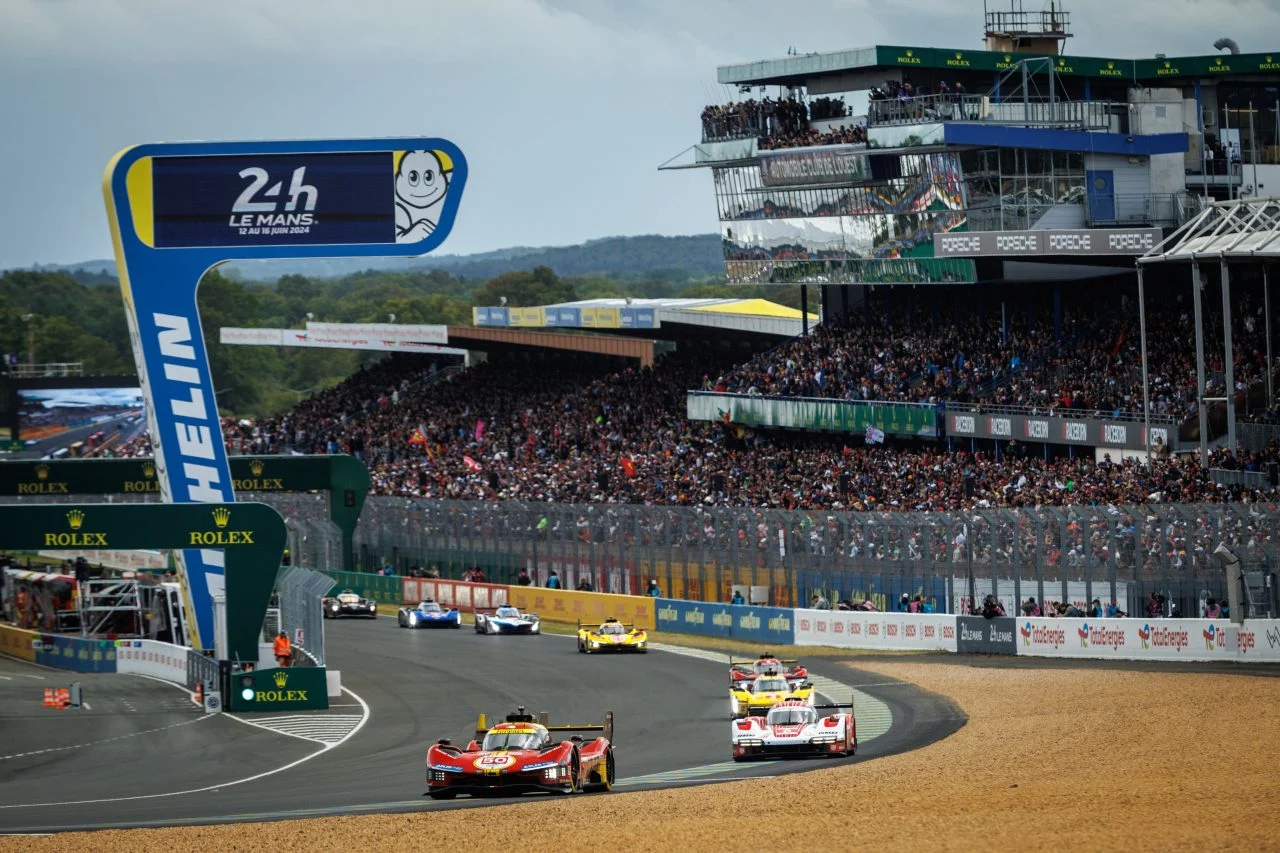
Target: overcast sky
column 564, row 108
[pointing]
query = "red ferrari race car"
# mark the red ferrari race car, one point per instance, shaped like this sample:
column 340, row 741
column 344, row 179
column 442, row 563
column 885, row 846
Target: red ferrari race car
column 741, row 671
column 520, row 756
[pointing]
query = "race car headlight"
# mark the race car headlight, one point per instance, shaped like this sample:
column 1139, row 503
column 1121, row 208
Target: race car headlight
column 751, row 741
column 437, row 775
column 823, row 739
column 556, row 773
column 594, row 644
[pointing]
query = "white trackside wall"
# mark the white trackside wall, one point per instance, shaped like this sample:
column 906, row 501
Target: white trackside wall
column 866, row 630
column 1150, row 639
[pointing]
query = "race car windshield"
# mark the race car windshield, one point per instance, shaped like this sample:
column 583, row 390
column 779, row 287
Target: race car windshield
column 429, row 607
column 771, row 667
column 507, row 613
column 612, row 628
column 511, row 740
column 771, row 685
column 791, row 716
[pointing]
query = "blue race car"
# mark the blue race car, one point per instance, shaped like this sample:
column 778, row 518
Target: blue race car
column 428, row 614
column 507, row 620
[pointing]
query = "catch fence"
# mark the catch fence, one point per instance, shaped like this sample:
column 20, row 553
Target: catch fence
column 702, row 553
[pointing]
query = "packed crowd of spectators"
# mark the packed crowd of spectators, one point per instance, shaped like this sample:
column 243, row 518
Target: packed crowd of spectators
column 782, row 123
column 577, row 434
column 752, row 118
column 843, row 135
column 1095, row 367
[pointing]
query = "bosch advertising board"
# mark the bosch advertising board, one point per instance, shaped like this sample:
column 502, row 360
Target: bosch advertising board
column 177, row 210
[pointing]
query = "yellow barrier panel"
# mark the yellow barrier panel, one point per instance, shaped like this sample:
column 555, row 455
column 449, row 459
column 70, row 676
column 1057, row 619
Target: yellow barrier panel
column 16, row 643
column 568, row 606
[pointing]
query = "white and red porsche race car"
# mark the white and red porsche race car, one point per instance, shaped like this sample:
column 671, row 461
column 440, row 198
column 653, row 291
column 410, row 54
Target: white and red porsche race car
column 795, row 729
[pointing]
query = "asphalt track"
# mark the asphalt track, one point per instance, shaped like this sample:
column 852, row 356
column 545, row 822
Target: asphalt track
column 120, row 762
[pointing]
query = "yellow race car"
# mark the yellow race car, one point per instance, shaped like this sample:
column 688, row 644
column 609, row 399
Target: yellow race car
column 612, row 636
column 755, row 698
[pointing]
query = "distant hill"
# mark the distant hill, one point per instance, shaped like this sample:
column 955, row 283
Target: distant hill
column 617, row 257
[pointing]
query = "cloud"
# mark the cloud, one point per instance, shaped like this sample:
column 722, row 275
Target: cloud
column 563, row 107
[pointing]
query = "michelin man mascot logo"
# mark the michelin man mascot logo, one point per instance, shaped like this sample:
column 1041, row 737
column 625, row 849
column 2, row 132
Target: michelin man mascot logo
column 422, row 182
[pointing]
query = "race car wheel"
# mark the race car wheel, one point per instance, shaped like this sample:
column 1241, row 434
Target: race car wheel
column 604, row 775
column 582, row 649
column 442, row 795
column 575, row 773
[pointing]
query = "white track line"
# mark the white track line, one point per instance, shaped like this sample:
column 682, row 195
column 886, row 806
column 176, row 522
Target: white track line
column 221, row 785
column 104, row 740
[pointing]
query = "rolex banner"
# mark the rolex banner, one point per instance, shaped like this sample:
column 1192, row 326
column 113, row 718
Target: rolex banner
column 300, row 688
column 814, row 414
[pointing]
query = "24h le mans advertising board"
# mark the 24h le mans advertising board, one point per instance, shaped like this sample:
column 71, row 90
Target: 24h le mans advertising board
column 177, row 210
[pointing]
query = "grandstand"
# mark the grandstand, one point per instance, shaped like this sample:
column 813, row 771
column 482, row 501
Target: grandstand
column 1030, row 179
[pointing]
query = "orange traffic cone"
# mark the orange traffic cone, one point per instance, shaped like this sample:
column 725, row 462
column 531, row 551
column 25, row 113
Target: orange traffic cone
column 199, row 697
column 64, row 697
column 49, row 701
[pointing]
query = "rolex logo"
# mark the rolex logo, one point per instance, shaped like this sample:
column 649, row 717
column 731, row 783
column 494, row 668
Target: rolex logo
column 959, row 55
column 148, row 469
column 256, row 467
column 221, row 516
column 1008, row 58
column 42, row 471
column 75, row 518
column 281, row 679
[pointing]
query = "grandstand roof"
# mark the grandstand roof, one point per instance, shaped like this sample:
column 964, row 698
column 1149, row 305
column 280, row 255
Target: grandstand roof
column 752, row 316
column 474, row 338
column 1239, row 229
column 799, row 70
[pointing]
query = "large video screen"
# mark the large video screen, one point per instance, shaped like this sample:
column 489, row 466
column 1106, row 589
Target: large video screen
column 79, row 422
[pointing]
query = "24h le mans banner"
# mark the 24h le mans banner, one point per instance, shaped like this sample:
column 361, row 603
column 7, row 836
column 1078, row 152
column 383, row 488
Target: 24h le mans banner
column 177, row 210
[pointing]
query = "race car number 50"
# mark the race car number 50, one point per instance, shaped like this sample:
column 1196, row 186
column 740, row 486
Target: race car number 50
column 496, row 761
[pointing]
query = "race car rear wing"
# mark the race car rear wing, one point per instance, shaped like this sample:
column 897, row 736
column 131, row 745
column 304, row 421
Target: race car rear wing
column 835, row 706
column 754, row 661
column 630, row 626
column 482, row 725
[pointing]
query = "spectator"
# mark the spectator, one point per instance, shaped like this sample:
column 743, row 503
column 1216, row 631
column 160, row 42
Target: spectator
column 1212, row 610
column 584, row 585
column 737, row 597
column 523, row 578
column 654, row 591
column 553, row 580
column 1030, row 608
column 819, row 602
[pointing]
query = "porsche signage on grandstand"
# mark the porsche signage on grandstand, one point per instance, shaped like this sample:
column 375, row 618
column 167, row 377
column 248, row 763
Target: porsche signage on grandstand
column 1081, row 432
column 1052, row 243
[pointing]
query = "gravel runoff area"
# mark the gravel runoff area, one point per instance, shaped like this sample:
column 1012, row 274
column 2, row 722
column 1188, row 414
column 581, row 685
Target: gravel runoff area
column 1051, row 759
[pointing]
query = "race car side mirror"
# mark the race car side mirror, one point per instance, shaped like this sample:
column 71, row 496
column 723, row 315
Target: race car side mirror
column 576, row 738
column 444, row 741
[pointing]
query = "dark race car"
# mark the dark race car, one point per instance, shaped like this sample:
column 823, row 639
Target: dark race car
column 348, row 603
column 521, row 756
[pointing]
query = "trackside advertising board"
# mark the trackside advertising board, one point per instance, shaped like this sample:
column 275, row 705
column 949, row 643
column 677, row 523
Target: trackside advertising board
column 569, row 606
column 852, row 629
column 1150, row 639
column 152, row 658
column 976, row 635
column 464, row 596
column 768, row 625
column 178, row 210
